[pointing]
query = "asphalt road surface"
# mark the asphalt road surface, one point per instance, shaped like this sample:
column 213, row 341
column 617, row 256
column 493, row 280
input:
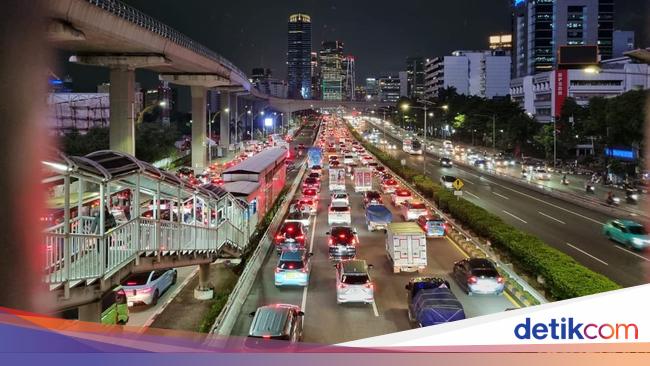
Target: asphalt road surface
column 329, row 323
column 568, row 227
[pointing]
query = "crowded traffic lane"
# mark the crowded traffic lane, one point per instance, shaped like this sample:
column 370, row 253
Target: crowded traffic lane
column 567, row 227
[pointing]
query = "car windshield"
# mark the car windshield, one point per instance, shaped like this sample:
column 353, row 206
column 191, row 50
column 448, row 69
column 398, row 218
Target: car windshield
column 637, row 230
column 359, row 279
column 291, row 265
column 485, row 272
column 311, row 180
column 137, row 279
column 373, row 196
column 448, row 178
column 340, row 208
column 338, row 231
column 340, row 196
column 418, row 206
column 314, row 175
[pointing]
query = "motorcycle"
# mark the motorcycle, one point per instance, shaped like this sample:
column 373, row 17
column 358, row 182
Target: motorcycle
column 631, row 197
column 565, row 181
column 613, row 201
column 590, row 189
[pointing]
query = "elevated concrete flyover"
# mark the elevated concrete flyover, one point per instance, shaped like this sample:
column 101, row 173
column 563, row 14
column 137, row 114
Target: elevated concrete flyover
column 109, row 33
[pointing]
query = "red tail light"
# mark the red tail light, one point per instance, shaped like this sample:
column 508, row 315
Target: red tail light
column 300, row 237
column 472, row 279
column 342, row 236
column 304, row 270
column 279, row 237
column 277, row 270
column 369, row 285
column 342, row 285
column 331, row 241
column 131, row 283
column 499, row 279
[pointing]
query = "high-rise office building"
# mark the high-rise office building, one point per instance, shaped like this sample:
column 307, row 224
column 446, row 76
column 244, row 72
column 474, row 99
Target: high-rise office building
column 484, row 74
column 315, row 76
column 299, row 57
column 541, row 27
column 415, row 77
column 372, row 87
column 389, row 89
column 349, row 82
column 622, row 41
column 331, row 64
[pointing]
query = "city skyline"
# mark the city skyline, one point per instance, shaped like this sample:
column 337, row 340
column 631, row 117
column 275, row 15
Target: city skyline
column 379, row 34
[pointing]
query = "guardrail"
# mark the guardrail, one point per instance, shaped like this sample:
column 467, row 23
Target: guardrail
column 84, row 255
column 225, row 322
column 151, row 24
column 565, row 196
column 478, row 245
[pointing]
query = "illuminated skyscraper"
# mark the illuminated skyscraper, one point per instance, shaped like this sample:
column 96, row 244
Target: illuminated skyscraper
column 299, row 68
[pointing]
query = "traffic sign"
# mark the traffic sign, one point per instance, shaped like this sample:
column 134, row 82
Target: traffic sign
column 458, row 184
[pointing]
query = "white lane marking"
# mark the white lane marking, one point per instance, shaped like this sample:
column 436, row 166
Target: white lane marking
column 585, row 253
column 630, row 252
column 374, row 308
column 303, row 305
column 551, row 217
column 471, row 194
column 535, row 198
column 465, row 180
column 516, row 217
column 500, row 195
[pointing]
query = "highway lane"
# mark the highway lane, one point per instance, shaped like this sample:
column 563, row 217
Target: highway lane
column 568, row 227
column 576, row 184
column 327, row 322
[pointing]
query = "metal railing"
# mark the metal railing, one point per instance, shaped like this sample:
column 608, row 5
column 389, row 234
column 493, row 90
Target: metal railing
column 151, row 24
column 83, row 254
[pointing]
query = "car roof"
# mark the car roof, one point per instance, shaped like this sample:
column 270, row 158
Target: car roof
column 293, row 255
column 270, row 320
column 628, row 222
column 353, row 266
column 480, row 263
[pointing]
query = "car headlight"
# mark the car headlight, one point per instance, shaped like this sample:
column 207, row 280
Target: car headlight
column 637, row 241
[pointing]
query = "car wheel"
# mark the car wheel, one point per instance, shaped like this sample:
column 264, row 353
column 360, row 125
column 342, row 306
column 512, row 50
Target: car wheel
column 154, row 300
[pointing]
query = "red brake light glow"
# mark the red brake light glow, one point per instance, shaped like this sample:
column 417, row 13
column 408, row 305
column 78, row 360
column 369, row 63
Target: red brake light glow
column 499, row 279
column 472, row 279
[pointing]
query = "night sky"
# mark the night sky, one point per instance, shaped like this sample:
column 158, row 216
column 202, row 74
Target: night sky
column 379, row 33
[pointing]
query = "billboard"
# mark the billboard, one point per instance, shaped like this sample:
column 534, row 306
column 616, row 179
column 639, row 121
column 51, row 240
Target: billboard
column 578, row 55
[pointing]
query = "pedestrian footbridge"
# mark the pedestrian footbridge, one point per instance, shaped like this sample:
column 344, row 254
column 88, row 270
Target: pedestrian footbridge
column 110, row 214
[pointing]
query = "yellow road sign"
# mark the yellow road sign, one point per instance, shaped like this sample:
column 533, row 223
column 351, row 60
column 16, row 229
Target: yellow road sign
column 458, row 184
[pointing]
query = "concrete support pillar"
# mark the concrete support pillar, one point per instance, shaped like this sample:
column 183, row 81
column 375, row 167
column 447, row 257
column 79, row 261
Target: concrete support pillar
column 199, row 126
column 286, row 117
column 122, row 110
column 224, row 126
column 234, row 114
column 204, row 291
column 91, row 312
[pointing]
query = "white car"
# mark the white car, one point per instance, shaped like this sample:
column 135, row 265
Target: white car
column 412, row 210
column 353, row 283
column 147, row 287
column 340, row 197
column 447, row 181
column 542, row 174
column 348, row 159
column 339, row 213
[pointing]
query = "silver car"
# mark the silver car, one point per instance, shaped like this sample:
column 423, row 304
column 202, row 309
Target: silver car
column 145, row 288
column 353, row 282
column 478, row 276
